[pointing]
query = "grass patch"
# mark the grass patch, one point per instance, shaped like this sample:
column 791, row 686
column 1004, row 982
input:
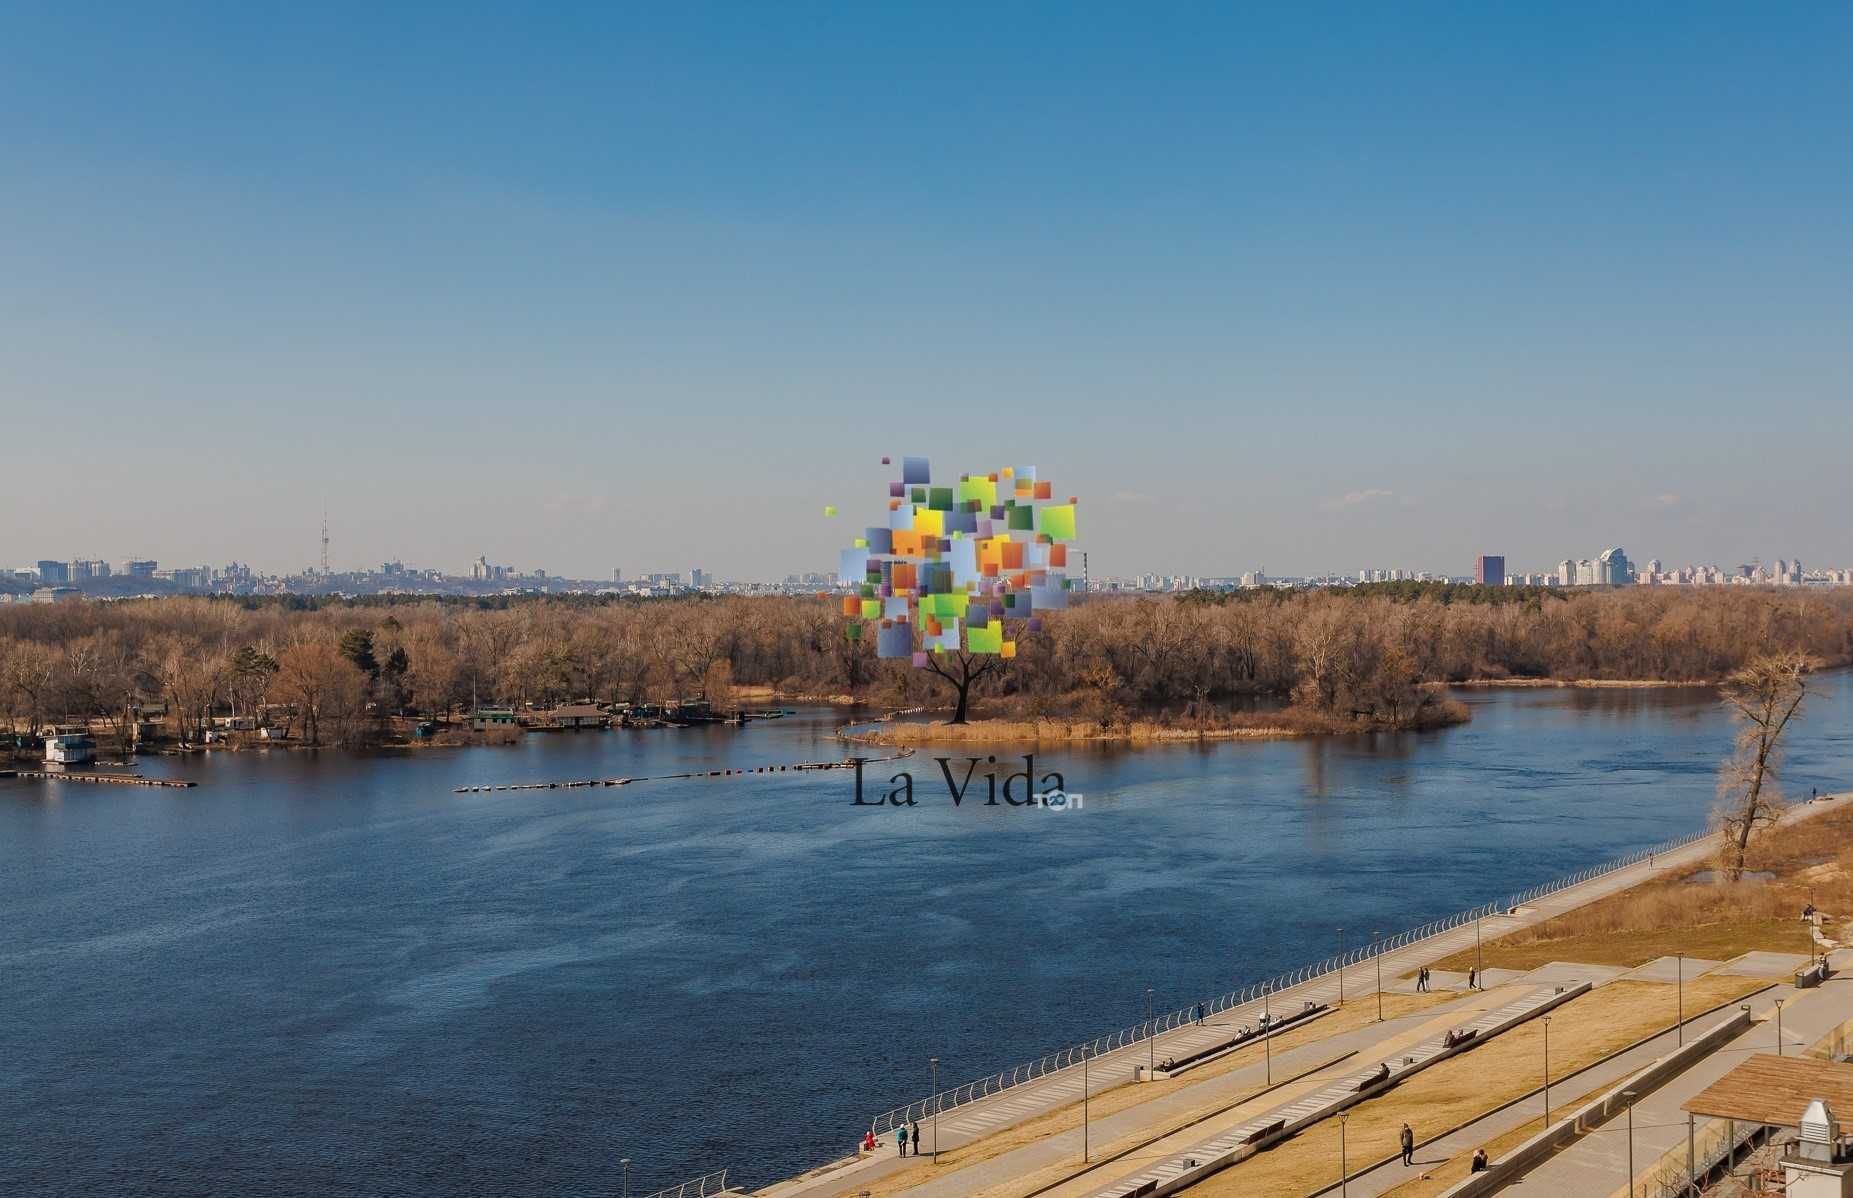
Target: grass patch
column 1463, row 1088
column 1812, row 860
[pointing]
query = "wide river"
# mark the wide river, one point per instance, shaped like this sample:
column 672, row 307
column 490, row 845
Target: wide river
column 326, row 974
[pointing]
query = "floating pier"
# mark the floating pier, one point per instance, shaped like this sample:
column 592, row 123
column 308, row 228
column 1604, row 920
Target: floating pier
column 111, row 779
column 847, row 763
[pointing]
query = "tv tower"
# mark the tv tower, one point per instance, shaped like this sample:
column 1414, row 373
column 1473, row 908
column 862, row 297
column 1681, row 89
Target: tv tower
column 324, row 538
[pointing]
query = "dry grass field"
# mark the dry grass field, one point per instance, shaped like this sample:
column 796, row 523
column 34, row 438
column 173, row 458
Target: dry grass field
column 1460, row 1089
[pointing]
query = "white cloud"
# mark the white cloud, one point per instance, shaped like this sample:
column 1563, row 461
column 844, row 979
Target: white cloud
column 1352, row 499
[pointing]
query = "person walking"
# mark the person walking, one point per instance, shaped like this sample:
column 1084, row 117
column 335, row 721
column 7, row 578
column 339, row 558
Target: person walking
column 900, row 1139
column 1472, row 977
column 913, row 1134
column 1408, row 1142
column 1421, row 980
column 1199, row 1014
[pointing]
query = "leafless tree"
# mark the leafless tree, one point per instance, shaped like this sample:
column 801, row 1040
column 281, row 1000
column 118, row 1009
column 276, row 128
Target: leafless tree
column 1762, row 697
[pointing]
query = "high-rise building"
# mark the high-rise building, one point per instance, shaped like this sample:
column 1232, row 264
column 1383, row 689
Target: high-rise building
column 617, row 575
column 51, row 573
column 140, row 567
column 697, row 578
column 1612, row 568
column 1490, row 570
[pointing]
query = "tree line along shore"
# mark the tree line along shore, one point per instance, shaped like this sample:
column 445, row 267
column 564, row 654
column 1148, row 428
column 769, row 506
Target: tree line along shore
column 1136, row 667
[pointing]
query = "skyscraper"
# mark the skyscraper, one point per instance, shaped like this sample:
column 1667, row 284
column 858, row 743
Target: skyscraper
column 1490, row 571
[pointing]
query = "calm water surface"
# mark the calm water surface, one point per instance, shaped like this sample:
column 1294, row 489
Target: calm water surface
column 325, row 974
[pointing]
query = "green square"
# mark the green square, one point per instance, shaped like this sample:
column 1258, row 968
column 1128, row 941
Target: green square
column 1021, row 519
column 940, row 499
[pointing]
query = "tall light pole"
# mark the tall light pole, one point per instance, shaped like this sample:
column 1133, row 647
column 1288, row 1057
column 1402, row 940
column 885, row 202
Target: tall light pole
column 1343, row 1185
column 1547, row 1071
column 933, row 1064
column 1084, row 1151
column 1341, row 964
column 1479, row 966
column 1778, row 1027
column 1679, row 960
column 1629, row 1095
column 1376, row 939
column 1267, row 1034
column 1151, row 1042
column 625, row 1164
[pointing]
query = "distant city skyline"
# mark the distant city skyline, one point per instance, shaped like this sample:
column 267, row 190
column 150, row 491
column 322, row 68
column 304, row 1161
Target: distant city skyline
column 1275, row 289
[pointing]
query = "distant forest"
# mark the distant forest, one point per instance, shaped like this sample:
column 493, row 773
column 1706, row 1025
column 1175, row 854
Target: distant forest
column 1368, row 657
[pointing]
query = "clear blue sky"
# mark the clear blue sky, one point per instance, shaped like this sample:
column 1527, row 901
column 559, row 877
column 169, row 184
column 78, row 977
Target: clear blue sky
column 613, row 285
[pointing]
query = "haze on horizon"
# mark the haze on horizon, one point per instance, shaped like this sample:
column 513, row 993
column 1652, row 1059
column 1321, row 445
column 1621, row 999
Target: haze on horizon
column 582, row 288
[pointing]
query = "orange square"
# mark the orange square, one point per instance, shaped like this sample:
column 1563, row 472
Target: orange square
column 852, row 606
column 1013, row 555
column 903, row 576
column 1044, row 490
column 1058, row 555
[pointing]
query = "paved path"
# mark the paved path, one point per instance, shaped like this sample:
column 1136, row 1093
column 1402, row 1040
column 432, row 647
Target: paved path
column 1328, row 1097
column 1566, row 1090
column 973, row 1121
column 1597, row 1164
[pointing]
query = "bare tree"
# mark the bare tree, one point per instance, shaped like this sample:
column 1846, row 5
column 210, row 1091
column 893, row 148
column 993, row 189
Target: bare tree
column 965, row 670
column 1762, row 697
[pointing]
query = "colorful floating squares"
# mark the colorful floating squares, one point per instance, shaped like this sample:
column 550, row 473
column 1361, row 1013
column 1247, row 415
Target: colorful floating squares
column 1058, row 521
column 981, row 491
column 990, row 547
column 829, row 509
column 895, row 639
column 920, row 661
column 854, row 630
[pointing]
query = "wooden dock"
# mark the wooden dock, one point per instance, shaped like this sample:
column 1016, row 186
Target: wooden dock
column 109, row 779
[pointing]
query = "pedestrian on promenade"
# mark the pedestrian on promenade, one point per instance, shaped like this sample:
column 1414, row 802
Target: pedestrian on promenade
column 1408, row 1143
column 900, row 1139
column 868, row 1141
column 1479, row 1161
column 913, row 1133
column 1473, row 978
column 1421, row 980
column 1199, row 1014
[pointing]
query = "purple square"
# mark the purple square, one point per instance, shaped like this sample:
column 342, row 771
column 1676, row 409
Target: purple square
column 920, row 660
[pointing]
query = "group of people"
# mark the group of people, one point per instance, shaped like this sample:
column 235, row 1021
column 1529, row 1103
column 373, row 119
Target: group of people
column 1424, row 984
column 907, row 1133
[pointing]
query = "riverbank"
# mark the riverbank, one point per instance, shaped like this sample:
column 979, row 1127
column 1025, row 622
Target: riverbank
column 1291, row 722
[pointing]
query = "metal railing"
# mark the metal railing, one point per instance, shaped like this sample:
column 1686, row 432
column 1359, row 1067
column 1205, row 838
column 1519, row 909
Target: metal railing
column 1138, row 1033
column 700, row 1187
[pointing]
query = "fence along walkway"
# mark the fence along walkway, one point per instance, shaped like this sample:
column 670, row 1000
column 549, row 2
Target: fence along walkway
column 701, row 1187
column 1012, row 1095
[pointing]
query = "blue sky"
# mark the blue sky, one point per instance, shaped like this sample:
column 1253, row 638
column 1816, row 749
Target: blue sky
column 582, row 287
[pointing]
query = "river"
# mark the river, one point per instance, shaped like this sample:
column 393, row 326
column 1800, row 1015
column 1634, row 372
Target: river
column 327, row 974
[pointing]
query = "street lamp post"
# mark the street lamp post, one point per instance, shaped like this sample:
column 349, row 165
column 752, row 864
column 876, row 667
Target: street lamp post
column 1629, row 1095
column 933, row 1064
column 1341, row 964
column 625, row 1164
column 1377, row 940
column 1267, row 1034
column 1151, row 1045
column 1547, row 1071
column 1084, row 1148
column 1778, row 1027
column 1680, row 964
column 1479, row 966
column 1343, row 1182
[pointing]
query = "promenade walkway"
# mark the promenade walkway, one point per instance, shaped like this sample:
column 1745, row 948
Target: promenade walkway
column 1597, row 1164
column 974, row 1121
